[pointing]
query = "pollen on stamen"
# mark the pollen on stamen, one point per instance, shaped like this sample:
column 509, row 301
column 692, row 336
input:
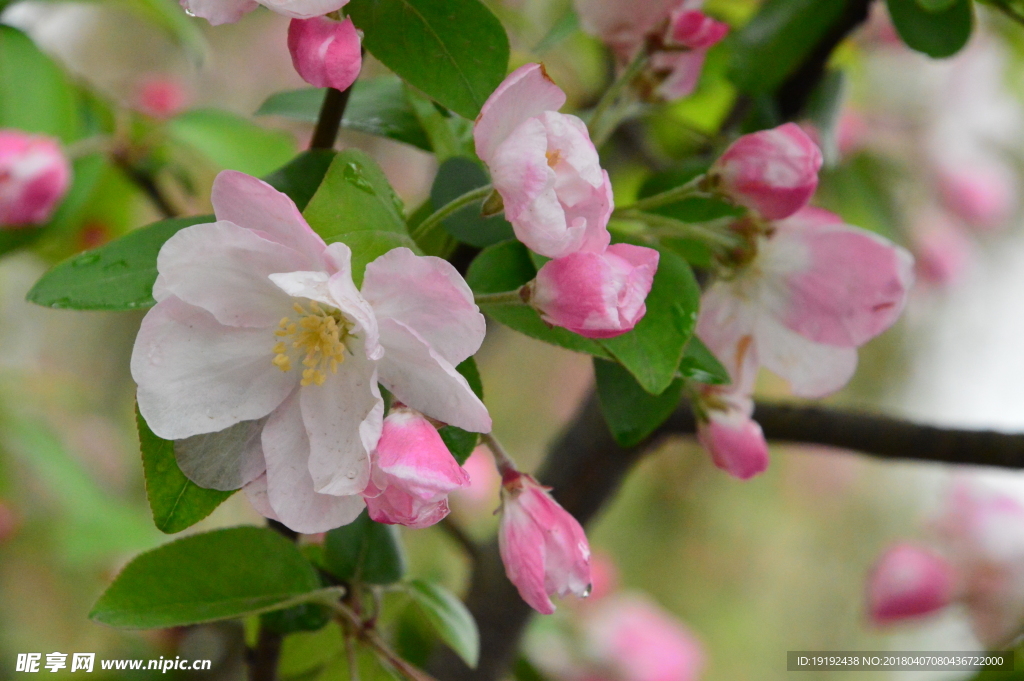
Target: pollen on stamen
column 319, row 332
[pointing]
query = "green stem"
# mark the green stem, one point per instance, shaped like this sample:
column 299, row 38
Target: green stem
column 502, row 460
column 689, row 190
column 435, row 218
column 600, row 128
column 503, row 298
column 715, row 232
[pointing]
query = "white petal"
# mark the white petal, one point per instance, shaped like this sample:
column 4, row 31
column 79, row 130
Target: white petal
column 525, row 93
column 225, row 460
column 254, row 204
column 196, row 375
column 812, row 369
column 349, row 300
column 289, row 484
column 334, row 414
column 425, row 381
column 224, row 269
column 429, row 296
column 256, row 492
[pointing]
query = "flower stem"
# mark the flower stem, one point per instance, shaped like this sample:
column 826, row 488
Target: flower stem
column 715, row 232
column 502, row 460
column 601, row 126
column 503, row 298
column 435, row 218
column 691, row 189
column 331, row 113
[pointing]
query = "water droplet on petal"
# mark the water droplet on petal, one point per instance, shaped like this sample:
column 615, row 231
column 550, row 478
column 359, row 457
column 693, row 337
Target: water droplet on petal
column 189, row 12
column 587, row 591
column 351, row 475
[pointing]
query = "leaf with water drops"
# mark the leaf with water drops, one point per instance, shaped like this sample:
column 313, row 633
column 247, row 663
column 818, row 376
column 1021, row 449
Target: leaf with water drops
column 116, row 276
column 355, row 195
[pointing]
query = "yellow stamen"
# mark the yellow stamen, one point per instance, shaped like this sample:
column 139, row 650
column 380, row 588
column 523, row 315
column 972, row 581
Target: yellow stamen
column 320, row 333
column 553, row 157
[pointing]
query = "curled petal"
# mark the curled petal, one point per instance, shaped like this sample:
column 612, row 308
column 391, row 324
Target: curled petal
column 526, row 92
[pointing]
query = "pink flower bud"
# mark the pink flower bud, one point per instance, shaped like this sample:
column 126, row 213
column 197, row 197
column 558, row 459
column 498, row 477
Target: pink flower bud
column 908, row 581
column 34, row 176
column 325, row 52
column 160, row 97
column 597, row 295
column 413, row 472
column 735, row 442
column 694, row 29
column 980, row 195
column 543, row 547
column 773, row 172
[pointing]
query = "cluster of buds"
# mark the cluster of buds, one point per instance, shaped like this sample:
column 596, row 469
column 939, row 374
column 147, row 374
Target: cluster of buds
column 559, row 199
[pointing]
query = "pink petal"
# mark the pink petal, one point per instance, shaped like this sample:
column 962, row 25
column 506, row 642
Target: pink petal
column 256, row 493
column 412, row 454
column 682, row 72
column 907, row 582
column 735, row 442
column 428, row 295
column 289, row 485
column 325, row 52
column 196, row 375
column 526, row 92
column 334, row 413
column 420, row 378
column 694, row 29
column 255, row 205
column 219, row 12
column 225, row 270
column 812, row 369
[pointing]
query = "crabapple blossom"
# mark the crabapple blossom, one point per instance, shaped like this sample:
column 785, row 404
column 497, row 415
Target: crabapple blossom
column 412, row 473
column 544, row 166
column 680, row 69
column 34, row 176
column 773, row 172
column 229, row 11
column 909, row 581
column 597, row 295
column 543, row 547
column 325, row 52
column 635, row 640
column 815, row 290
column 259, row 328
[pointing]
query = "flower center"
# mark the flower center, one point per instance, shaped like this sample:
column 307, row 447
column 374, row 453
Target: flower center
column 553, row 157
column 320, row 333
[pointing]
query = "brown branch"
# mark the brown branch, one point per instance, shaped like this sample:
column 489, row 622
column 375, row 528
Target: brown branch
column 329, row 122
column 586, row 467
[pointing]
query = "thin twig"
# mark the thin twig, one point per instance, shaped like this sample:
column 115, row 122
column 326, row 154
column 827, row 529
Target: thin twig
column 503, row 298
column 370, row 637
column 329, row 121
column 456, row 204
column 502, row 460
column 691, row 189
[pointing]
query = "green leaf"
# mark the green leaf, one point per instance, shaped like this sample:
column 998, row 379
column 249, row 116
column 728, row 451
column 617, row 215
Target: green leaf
column 455, row 177
column 177, row 502
column 936, row 32
column 471, row 373
column 354, row 195
column 563, row 28
column 455, row 51
column 505, row 267
column 302, row 617
column 364, row 551
column 377, row 106
column 631, row 412
column 35, row 95
column 449, row 135
column 301, row 176
column 217, row 575
column 776, row 41
column 304, row 654
column 935, row 5
column 451, row 619
column 700, row 365
column 116, row 276
column 231, row 142
column 367, row 246
column 653, row 349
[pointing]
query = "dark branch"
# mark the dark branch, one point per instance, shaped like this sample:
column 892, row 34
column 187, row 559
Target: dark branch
column 331, row 112
column 147, row 184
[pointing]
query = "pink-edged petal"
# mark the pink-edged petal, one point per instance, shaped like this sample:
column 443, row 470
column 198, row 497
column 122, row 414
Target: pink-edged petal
column 196, row 375
column 526, row 92
column 225, row 270
column 523, row 554
column 429, row 296
column 254, row 204
column 289, row 484
column 427, row 382
column 225, row 460
column 334, row 414
column 854, row 287
column 682, row 72
column 256, row 493
column 735, row 442
column 726, row 325
column 219, row 12
column 411, row 453
column 812, row 369
column 303, row 9
column 350, row 301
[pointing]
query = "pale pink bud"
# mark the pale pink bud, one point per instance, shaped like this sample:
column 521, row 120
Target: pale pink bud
column 161, row 97
column 413, row 472
column 773, row 172
column 694, row 29
column 325, row 52
column 34, row 176
column 942, row 252
column 597, row 295
column 735, row 442
column 543, row 547
column 636, row 640
column 909, row 581
column 982, row 196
